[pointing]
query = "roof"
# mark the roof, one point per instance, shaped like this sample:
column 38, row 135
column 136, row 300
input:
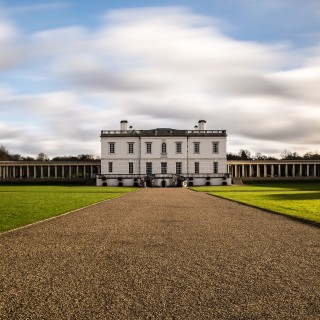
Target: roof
column 163, row 132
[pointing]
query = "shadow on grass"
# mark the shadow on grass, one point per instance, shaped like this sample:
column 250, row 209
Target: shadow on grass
column 295, row 196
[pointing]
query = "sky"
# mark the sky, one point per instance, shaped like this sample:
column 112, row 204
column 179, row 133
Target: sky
column 71, row 68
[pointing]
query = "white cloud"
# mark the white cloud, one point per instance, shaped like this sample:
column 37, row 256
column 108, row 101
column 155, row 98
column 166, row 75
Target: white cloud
column 164, row 67
column 10, row 52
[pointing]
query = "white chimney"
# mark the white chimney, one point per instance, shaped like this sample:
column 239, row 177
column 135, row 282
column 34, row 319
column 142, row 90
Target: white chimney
column 202, row 124
column 123, row 125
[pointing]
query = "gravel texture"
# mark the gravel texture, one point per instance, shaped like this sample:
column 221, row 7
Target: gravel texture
column 162, row 254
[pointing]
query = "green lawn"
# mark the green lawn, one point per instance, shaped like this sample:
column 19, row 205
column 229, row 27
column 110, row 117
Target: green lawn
column 299, row 200
column 22, row 205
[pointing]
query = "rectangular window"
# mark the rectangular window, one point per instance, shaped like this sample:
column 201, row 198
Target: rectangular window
column 148, row 167
column 215, row 147
column 163, row 167
column 130, row 147
column 178, row 167
column 178, row 147
column 112, row 147
column 215, row 167
column 130, row 167
column 196, row 147
column 148, row 147
column 110, row 167
column 196, row 167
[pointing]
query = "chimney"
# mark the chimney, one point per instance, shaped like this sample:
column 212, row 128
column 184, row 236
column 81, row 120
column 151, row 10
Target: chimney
column 123, row 125
column 202, row 124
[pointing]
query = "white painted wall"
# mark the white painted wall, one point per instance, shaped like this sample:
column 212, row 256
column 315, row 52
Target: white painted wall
column 206, row 157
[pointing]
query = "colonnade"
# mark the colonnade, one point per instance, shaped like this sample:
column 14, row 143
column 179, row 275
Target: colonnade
column 48, row 170
column 273, row 169
column 89, row 170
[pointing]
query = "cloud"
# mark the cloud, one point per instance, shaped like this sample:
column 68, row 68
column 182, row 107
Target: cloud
column 11, row 51
column 162, row 67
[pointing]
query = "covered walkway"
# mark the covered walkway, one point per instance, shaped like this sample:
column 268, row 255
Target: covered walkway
column 274, row 168
column 49, row 169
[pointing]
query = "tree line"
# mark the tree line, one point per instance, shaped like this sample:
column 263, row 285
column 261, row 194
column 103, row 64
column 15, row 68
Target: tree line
column 5, row 155
column 285, row 155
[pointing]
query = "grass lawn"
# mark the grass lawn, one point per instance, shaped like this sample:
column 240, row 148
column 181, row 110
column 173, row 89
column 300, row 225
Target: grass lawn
column 299, row 200
column 22, row 205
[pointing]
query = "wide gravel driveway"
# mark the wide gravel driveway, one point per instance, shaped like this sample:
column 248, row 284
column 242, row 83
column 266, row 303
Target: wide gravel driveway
column 162, row 254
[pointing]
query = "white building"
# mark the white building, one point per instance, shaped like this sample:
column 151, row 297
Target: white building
column 163, row 157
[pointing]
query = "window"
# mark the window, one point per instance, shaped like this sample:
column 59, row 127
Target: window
column 178, row 167
column 196, row 147
column 196, row 167
column 130, row 147
column 130, row 167
column 215, row 147
column 215, row 167
column 111, row 147
column 110, row 167
column 148, row 167
column 163, row 167
column 148, row 146
column 164, row 148
column 178, row 147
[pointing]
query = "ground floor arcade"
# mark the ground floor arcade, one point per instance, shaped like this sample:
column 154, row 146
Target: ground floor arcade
column 46, row 169
column 274, row 169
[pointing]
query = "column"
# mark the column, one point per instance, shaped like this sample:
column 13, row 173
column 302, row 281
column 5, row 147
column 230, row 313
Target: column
column 34, row 171
column 77, row 171
column 264, row 170
column 293, row 170
column 243, row 173
column 21, row 172
column 55, row 172
column 62, row 171
column 235, row 170
column 307, row 170
column 91, row 171
column 250, row 170
column 41, row 172
column 84, row 172
column 286, row 171
column 28, row 172
column 70, row 175
column 300, row 173
column 258, row 171
column 279, row 170
column 14, row 171
column 272, row 170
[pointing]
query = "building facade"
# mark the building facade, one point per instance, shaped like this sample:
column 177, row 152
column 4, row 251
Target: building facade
column 163, row 157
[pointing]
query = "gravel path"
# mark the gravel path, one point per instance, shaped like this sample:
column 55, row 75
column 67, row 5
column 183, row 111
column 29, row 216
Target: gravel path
column 162, row 254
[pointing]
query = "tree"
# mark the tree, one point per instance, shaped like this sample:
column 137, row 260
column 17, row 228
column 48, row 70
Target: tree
column 312, row 156
column 4, row 154
column 15, row 157
column 85, row 157
column 28, row 158
column 42, row 157
column 233, row 156
column 245, row 154
column 288, row 155
column 260, row 156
